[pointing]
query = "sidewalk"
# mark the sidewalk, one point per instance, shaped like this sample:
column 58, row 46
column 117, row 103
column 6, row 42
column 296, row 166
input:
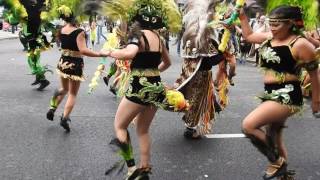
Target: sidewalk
column 8, row 35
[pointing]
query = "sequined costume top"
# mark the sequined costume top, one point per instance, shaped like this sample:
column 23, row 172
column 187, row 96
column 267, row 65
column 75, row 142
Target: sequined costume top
column 71, row 62
column 279, row 58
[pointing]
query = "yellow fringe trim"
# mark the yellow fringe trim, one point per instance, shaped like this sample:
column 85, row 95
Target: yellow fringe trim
column 70, row 53
column 145, row 72
column 71, row 77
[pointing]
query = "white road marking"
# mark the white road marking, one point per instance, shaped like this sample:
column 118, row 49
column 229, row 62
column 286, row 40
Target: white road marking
column 216, row 136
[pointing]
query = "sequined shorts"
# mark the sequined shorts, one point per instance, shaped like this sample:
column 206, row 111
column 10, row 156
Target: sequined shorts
column 288, row 93
column 145, row 90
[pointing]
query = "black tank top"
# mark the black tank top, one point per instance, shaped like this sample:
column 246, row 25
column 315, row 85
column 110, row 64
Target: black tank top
column 147, row 59
column 279, row 58
column 69, row 41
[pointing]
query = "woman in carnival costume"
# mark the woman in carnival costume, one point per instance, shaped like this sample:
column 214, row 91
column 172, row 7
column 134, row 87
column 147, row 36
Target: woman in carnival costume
column 282, row 60
column 120, row 68
column 29, row 14
column 200, row 53
column 146, row 91
column 70, row 65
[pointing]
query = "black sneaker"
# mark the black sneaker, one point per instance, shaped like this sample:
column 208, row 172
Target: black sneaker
column 190, row 133
column 64, row 123
column 106, row 80
column 113, row 90
column 140, row 174
column 35, row 82
column 50, row 114
column 231, row 82
column 43, row 84
column 217, row 107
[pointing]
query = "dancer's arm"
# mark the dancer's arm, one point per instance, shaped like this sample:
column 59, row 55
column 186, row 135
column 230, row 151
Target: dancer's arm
column 129, row 52
column 81, row 43
column 247, row 32
column 309, row 62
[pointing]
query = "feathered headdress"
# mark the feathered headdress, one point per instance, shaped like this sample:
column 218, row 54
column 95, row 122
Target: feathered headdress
column 197, row 33
column 71, row 8
column 310, row 10
column 149, row 10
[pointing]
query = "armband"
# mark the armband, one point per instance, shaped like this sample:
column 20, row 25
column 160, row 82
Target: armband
column 311, row 66
column 134, row 41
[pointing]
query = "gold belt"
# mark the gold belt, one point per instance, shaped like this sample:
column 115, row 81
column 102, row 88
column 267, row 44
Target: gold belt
column 70, row 53
column 145, row 72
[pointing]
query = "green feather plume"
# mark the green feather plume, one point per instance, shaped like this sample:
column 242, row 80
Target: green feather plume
column 125, row 10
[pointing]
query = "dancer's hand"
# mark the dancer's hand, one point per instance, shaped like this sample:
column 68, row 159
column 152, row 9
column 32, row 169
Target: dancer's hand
column 227, row 26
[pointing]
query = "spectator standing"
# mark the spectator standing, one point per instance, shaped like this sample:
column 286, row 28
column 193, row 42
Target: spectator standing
column 93, row 33
column 100, row 25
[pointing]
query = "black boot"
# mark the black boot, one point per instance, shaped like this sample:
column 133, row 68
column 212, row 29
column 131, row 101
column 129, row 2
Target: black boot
column 36, row 81
column 50, row 114
column 190, row 133
column 217, row 107
column 64, row 123
column 53, row 105
column 125, row 151
column 106, row 80
column 43, row 84
column 113, row 90
column 230, row 81
column 278, row 164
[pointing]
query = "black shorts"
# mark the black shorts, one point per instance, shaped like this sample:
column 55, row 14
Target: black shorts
column 293, row 97
column 71, row 66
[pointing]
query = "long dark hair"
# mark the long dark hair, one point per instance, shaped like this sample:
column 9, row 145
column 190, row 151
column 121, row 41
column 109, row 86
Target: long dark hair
column 289, row 12
column 69, row 19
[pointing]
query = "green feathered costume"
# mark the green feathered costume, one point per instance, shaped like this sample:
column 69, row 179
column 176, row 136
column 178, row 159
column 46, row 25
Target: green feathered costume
column 28, row 13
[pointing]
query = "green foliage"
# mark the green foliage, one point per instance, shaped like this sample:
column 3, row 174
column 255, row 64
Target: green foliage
column 309, row 8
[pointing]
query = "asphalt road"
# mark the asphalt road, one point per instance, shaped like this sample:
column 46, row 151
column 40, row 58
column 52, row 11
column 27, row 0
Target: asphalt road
column 33, row 148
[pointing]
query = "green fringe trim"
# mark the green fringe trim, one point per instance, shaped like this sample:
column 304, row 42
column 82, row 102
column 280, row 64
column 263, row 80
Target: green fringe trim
column 280, row 76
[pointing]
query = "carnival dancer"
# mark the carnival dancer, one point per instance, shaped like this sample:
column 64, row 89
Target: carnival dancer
column 229, row 54
column 146, row 91
column 229, row 60
column 200, row 53
column 93, row 33
column 70, row 66
column 282, row 60
column 120, row 68
column 29, row 12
